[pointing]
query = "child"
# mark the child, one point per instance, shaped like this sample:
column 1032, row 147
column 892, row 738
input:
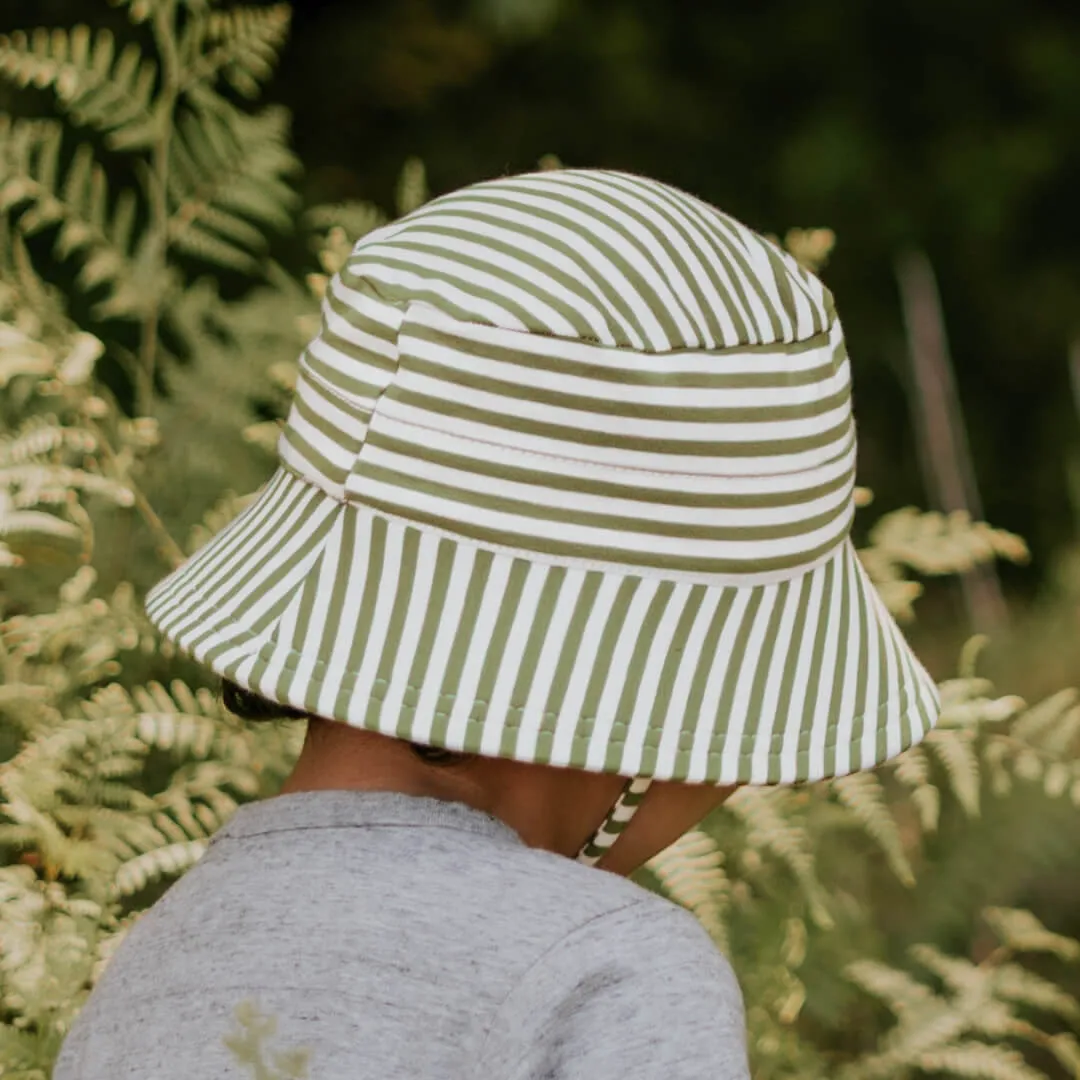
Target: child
column 556, row 556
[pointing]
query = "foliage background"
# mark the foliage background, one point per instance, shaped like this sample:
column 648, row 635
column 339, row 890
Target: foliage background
column 141, row 372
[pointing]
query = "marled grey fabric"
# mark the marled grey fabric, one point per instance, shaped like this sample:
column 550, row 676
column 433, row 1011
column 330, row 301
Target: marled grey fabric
column 399, row 937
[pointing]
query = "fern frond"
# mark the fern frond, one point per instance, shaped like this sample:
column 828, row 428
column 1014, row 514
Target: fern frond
column 864, row 797
column 99, row 88
column 244, row 46
column 137, row 873
column 978, row 1060
column 1021, row 931
column 227, row 178
column 956, row 751
column 912, row 769
column 761, row 811
column 78, row 208
column 691, row 872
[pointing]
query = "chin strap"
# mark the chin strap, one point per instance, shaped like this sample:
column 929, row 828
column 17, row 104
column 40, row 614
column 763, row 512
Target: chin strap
column 611, row 829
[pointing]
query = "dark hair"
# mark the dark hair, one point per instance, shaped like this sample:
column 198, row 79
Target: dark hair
column 247, row 705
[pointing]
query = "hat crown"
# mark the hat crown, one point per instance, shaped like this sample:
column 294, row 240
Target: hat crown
column 594, row 255
column 585, row 365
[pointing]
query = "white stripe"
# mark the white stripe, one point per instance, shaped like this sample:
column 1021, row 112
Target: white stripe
column 516, row 639
column 635, row 427
column 687, row 240
column 853, row 660
column 563, row 501
column 645, row 699
column 419, row 599
column 734, row 754
column 395, row 277
column 311, row 648
column 389, row 583
column 577, row 227
column 353, row 581
column 664, row 462
column 449, row 626
column 570, row 715
column 479, row 646
column 764, row 752
column 520, row 374
column 726, row 271
column 674, row 276
column 676, row 720
column 534, row 530
column 797, row 716
column 372, row 308
column 209, row 609
column 616, row 674
column 822, row 721
column 453, row 270
column 546, row 664
column 776, row 359
column 781, row 483
column 709, row 721
column 467, row 202
column 640, row 250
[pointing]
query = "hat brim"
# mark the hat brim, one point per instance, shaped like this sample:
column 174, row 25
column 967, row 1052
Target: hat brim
column 340, row 610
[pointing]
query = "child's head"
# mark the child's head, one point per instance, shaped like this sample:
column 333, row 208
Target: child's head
column 568, row 482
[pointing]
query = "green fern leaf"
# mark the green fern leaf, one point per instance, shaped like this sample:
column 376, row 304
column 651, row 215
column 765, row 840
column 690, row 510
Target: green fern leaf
column 244, row 46
column 978, row 1060
column 169, row 861
column 1021, row 931
column 955, row 750
column 98, row 88
column 864, row 797
column 691, row 872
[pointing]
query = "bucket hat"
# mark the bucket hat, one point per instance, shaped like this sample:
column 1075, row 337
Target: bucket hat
column 568, row 479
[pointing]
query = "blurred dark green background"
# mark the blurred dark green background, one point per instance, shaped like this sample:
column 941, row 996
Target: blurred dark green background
column 949, row 127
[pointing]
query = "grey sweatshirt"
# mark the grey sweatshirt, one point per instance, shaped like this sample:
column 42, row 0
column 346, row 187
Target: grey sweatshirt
column 401, row 938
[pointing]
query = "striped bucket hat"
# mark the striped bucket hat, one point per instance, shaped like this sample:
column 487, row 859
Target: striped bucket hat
column 568, row 479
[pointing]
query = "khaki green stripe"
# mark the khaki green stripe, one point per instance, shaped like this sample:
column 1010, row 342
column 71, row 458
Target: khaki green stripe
column 800, row 641
column 763, row 663
column 359, row 623
column 683, row 280
column 725, row 253
column 605, row 655
column 695, row 701
column 647, row 193
column 500, row 637
column 601, row 553
column 595, row 288
column 572, row 645
column 631, row 410
column 499, row 470
column 545, row 609
column 459, row 651
column 839, row 618
column 658, row 305
column 665, row 687
column 620, row 299
column 436, row 604
column 644, row 378
column 635, row 672
column 595, row 519
column 405, row 577
column 712, row 448
column 530, row 286
column 735, row 664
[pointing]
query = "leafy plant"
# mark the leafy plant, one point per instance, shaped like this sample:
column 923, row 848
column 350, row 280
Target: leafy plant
column 137, row 406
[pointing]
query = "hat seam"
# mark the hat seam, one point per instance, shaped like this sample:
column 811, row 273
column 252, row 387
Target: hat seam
column 633, row 471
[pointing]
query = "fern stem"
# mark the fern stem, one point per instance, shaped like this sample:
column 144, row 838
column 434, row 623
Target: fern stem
column 164, row 27
column 167, row 547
